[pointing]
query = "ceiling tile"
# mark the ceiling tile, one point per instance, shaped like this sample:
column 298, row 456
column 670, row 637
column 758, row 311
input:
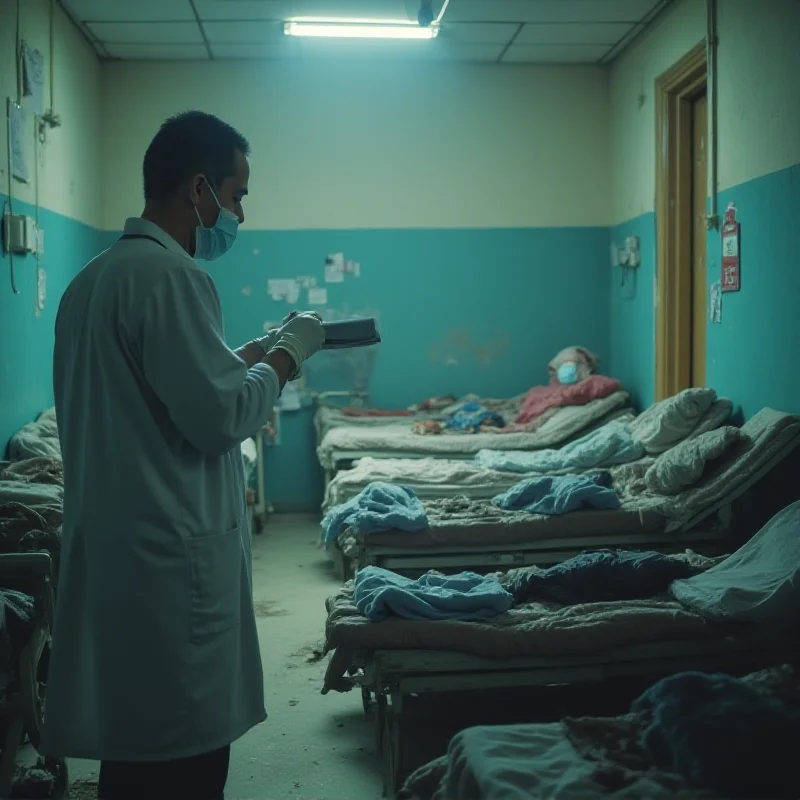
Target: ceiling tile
column 227, row 10
column 579, row 33
column 158, row 52
column 147, row 32
column 388, row 50
column 478, row 32
column 254, row 32
column 229, row 51
column 549, row 10
column 130, row 10
column 555, row 53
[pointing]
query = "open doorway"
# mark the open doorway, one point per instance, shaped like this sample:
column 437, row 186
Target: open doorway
column 681, row 194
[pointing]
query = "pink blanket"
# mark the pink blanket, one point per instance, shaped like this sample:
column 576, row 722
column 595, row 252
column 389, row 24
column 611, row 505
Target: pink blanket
column 542, row 398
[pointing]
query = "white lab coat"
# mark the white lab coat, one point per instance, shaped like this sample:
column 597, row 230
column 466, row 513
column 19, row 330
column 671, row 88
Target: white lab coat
column 155, row 652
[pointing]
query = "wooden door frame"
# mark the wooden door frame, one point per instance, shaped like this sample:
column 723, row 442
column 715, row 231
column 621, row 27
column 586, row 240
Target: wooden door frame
column 675, row 90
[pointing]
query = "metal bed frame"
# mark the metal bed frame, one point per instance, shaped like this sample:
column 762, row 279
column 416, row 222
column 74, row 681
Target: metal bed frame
column 388, row 678
column 22, row 714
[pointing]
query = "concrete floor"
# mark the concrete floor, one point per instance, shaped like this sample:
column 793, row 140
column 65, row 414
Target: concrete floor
column 311, row 747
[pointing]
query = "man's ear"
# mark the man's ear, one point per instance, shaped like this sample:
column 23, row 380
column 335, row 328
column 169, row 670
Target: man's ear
column 197, row 187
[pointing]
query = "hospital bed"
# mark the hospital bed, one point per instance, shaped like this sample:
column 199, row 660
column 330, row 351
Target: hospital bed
column 393, row 660
column 21, row 710
column 342, row 446
column 600, row 757
column 474, row 534
column 540, row 642
column 494, row 471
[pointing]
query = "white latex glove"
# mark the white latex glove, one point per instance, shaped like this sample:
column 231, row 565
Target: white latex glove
column 301, row 336
column 266, row 343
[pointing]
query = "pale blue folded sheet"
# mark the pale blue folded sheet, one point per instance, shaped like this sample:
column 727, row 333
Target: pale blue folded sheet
column 379, row 507
column 605, row 447
column 379, row 594
column 560, row 494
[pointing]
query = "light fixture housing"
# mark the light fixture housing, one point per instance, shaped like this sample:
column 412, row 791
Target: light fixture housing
column 337, row 28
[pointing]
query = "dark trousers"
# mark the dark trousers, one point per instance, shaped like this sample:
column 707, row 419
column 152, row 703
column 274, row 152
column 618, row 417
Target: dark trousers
column 199, row 778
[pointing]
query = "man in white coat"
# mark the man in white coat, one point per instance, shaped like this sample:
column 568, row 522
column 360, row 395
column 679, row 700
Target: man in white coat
column 155, row 666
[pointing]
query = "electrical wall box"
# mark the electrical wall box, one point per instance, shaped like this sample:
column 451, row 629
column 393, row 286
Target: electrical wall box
column 20, row 234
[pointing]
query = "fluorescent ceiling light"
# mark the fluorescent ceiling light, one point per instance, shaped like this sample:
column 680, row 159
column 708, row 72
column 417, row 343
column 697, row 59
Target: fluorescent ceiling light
column 358, row 28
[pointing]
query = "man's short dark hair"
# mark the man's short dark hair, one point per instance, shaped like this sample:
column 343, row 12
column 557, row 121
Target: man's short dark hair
column 187, row 144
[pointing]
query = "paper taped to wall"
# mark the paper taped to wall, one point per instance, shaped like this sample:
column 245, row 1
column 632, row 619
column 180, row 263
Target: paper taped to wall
column 283, row 289
column 318, row 296
column 334, row 268
column 715, row 310
column 33, row 78
column 17, row 150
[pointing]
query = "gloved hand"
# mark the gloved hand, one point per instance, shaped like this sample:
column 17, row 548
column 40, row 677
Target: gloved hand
column 301, row 336
column 266, row 343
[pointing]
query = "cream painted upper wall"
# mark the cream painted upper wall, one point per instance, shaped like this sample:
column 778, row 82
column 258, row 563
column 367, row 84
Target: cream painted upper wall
column 69, row 167
column 366, row 145
column 758, row 95
column 633, row 116
column 759, row 88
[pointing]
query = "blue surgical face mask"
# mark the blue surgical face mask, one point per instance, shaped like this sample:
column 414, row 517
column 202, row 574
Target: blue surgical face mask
column 211, row 243
column 568, row 372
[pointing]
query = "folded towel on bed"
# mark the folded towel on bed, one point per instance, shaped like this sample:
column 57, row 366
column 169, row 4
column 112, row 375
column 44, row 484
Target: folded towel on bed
column 599, row 576
column 723, row 735
column 379, row 593
column 759, row 583
column 380, row 507
column 559, row 495
column 608, row 446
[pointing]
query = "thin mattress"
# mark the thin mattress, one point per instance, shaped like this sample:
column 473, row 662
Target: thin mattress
column 350, row 442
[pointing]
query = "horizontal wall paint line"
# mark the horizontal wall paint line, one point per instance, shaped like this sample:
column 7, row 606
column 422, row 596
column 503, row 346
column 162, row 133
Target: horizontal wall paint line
column 26, row 339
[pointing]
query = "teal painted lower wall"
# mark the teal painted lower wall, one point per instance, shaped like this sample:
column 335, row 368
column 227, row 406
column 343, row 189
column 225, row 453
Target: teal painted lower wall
column 26, row 340
column 632, row 316
column 750, row 353
column 460, row 311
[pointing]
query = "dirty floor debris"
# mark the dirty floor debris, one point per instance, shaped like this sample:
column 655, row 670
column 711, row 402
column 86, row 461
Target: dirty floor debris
column 311, row 747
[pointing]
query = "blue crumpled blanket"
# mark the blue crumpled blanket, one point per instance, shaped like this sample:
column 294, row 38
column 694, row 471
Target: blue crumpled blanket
column 379, row 593
column 379, row 507
column 554, row 495
column 722, row 735
column 599, row 576
column 607, row 446
column 471, row 416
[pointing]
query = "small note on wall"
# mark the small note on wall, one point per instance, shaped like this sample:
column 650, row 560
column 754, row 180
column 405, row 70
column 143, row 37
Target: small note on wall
column 318, row 296
column 18, row 150
column 334, row 268
column 283, row 289
column 715, row 306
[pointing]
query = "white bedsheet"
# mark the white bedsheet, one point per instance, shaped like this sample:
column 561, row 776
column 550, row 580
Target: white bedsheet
column 397, row 440
column 690, row 412
column 430, row 478
column 39, row 438
column 764, row 437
